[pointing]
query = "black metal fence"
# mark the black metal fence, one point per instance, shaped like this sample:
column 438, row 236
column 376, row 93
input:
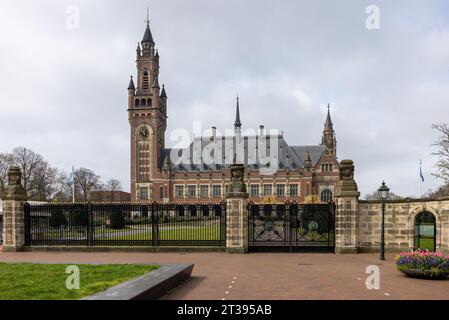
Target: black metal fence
column 291, row 227
column 129, row 224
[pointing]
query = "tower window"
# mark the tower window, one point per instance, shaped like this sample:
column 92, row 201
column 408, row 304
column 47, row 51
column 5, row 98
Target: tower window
column 149, row 102
column 145, row 84
column 143, row 193
column 137, row 102
column 143, row 102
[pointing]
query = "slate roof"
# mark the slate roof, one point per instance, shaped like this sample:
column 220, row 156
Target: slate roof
column 289, row 157
column 148, row 37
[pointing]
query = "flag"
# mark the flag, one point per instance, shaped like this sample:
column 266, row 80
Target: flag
column 70, row 177
column 420, row 171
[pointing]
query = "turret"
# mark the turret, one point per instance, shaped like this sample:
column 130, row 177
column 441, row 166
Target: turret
column 329, row 138
column 237, row 123
column 307, row 161
column 131, row 93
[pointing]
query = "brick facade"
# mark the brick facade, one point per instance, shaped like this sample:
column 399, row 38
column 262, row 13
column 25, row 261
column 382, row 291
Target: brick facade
column 307, row 173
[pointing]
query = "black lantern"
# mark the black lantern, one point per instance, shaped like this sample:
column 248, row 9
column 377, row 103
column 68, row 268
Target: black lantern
column 383, row 194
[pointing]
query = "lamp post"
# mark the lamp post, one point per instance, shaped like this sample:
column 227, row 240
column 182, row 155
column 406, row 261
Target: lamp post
column 383, row 194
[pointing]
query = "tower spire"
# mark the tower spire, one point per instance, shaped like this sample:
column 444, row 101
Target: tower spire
column 237, row 123
column 148, row 17
column 329, row 139
column 148, row 37
column 328, row 125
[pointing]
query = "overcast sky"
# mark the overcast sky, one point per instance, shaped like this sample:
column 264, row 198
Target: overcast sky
column 63, row 91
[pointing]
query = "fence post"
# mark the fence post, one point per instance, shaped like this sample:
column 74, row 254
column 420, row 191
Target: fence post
column 13, row 212
column 237, row 212
column 90, row 224
column 154, row 225
column 347, row 210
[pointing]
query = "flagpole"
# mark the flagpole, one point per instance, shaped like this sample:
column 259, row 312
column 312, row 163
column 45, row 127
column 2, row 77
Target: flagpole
column 420, row 177
column 73, row 184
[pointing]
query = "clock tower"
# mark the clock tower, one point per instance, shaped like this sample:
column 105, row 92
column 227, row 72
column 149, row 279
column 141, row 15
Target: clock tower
column 147, row 115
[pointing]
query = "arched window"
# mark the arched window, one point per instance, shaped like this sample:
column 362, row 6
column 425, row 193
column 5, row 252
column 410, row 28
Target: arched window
column 217, row 210
column 143, row 102
column 145, row 84
column 205, row 210
column 425, row 231
column 137, row 103
column 326, row 195
column 180, row 211
column 149, row 103
column 255, row 210
column 267, row 210
column 192, row 210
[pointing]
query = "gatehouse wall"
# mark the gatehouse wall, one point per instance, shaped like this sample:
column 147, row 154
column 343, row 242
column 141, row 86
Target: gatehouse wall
column 400, row 223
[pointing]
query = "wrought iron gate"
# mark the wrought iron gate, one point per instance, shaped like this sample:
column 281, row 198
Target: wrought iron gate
column 291, row 227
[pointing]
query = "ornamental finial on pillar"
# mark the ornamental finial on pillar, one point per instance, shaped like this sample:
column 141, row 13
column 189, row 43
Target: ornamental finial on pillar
column 15, row 190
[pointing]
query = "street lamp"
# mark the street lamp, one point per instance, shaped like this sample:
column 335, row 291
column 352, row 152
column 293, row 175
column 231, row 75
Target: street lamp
column 383, row 194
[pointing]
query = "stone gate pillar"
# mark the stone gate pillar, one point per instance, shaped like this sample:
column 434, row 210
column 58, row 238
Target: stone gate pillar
column 347, row 210
column 237, row 212
column 13, row 212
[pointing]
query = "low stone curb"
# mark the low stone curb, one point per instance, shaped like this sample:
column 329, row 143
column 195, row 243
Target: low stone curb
column 121, row 249
column 150, row 286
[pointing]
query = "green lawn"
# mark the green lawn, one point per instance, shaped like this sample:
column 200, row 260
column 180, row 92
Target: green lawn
column 27, row 281
column 177, row 233
column 426, row 243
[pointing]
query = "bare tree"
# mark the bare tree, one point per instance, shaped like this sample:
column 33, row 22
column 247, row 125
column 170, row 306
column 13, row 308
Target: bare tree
column 86, row 181
column 29, row 162
column 48, row 183
column 375, row 196
column 113, row 185
column 6, row 160
column 442, row 143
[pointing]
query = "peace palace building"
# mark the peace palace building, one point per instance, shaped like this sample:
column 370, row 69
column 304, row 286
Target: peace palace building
column 303, row 173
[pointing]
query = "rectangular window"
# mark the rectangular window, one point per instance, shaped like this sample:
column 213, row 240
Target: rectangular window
column 179, row 192
column 191, row 191
column 216, row 190
column 255, row 190
column 293, row 190
column 267, row 189
column 280, row 190
column 204, row 191
column 143, row 193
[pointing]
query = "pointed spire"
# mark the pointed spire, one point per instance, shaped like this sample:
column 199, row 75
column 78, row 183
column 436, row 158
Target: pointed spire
column 328, row 126
column 237, row 123
column 166, row 166
column 148, row 37
column 308, row 160
column 163, row 93
column 131, row 84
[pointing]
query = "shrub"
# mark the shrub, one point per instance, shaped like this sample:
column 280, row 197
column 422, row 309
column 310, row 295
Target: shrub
column 80, row 217
column 57, row 218
column 117, row 220
column 426, row 261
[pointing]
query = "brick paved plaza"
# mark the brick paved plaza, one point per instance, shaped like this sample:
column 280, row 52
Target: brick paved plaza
column 267, row 275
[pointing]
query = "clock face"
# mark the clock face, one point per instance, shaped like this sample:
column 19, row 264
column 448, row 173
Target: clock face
column 144, row 134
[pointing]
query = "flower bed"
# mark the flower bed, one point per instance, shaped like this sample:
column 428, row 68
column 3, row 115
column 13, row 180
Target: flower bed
column 423, row 264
